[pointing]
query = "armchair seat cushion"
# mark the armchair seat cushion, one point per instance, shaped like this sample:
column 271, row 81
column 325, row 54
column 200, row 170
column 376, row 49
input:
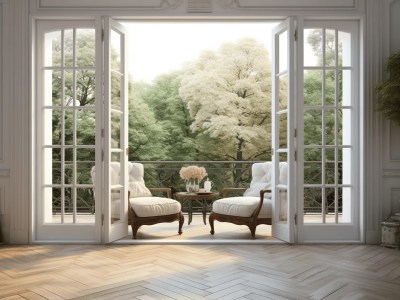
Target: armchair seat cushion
column 154, row 206
column 242, row 206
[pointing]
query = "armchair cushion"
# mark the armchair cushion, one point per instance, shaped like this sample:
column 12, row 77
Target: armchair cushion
column 138, row 189
column 242, row 206
column 255, row 188
column 154, row 206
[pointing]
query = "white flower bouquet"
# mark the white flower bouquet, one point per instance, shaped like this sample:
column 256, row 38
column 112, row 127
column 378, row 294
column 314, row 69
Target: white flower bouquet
column 194, row 172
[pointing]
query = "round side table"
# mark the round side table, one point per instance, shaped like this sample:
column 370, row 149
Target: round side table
column 200, row 198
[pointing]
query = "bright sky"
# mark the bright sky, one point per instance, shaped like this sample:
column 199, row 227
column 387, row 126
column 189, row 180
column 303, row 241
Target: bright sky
column 156, row 48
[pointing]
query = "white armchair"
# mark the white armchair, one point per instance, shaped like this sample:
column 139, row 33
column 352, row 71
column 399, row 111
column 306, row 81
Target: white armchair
column 255, row 206
column 144, row 208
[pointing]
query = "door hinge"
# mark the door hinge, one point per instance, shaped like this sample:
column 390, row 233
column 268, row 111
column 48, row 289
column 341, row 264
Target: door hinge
column 295, row 155
column 102, row 219
column 102, row 132
column 295, row 35
column 102, row 35
column 102, row 155
column 295, row 219
column 295, row 132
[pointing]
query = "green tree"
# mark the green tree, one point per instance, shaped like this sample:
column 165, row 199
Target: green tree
column 146, row 134
column 172, row 115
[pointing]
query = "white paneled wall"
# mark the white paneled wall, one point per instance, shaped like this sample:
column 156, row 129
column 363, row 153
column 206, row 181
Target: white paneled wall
column 382, row 143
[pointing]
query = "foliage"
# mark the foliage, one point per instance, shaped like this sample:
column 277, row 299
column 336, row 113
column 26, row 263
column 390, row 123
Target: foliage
column 389, row 91
column 146, row 134
column 171, row 114
column 228, row 94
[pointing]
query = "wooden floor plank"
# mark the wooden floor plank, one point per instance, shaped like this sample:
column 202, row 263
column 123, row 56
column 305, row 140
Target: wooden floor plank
column 199, row 272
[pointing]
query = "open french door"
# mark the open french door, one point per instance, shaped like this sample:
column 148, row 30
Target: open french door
column 115, row 133
column 283, row 131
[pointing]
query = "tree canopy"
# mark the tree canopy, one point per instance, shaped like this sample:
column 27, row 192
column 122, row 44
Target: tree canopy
column 228, row 94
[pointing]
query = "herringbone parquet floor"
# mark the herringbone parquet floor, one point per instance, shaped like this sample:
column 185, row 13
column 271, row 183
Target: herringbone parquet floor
column 199, row 272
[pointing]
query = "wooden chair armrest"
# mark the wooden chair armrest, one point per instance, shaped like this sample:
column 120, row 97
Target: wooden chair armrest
column 226, row 191
column 263, row 191
column 165, row 191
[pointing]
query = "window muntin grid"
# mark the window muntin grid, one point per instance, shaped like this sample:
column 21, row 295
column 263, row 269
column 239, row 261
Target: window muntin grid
column 328, row 122
column 68, row 110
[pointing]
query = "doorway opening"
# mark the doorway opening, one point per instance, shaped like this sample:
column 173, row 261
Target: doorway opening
column 199, row 94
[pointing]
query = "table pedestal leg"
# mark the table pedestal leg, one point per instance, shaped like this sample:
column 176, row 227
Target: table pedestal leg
column 190, row 211
column 204, row 211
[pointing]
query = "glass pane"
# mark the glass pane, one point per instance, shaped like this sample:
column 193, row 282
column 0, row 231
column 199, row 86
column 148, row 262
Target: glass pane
column 52, row 88
column 345, row 204
column 282, row 119
column 344, row 85
column 312, row 155
column 330, row 154
column 330, row 175
column 85, row 206
column 330, row 87
column 83, row 175
column 69, row 114
column 116, row 156
column 331, row 204
column 313, row 87
column 85, row 47
column 86, row 155
column 312, row 205
column 283, row 207
column 344, row 127
column 312, row 47
column 282, row 157
column 283, row 92
column 56, row 169
column 85, row 127
column 68, row 48
column 68, row 205
column 52, row 44
column 115, row 51
column 330, row 48
column 313, row 172
column 312, row 127
column 344, row 40
column 69, row 154
column 52, row 205
column 283, row 52
column 115, row 130
column 85, row 88
column 52, row 135
column 68, row 173
column 116, row 88
column 330, row 134
column 116, row 202
column 345, row 166
column 68, row 88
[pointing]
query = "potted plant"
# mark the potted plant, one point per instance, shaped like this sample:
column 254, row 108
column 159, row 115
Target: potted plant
column 389, row 91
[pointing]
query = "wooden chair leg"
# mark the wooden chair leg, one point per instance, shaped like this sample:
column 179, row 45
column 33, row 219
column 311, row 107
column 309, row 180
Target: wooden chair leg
column 135, row 229
column 211, row 221
column 181, row 222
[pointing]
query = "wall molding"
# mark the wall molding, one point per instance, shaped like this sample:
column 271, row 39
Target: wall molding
column 285, row 4
column 377, row 41
column 106, row 4
column 2, row 123
column 16, row 85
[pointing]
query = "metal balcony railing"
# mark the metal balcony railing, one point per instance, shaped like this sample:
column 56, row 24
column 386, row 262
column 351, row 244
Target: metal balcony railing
column 166, row 174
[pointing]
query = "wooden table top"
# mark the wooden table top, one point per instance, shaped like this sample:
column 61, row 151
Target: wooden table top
column 196, row 196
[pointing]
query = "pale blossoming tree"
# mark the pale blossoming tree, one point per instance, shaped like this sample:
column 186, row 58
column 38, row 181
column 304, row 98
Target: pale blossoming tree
column 228, row 94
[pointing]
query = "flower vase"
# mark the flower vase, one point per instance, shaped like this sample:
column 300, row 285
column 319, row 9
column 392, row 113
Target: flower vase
column 192, row 185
